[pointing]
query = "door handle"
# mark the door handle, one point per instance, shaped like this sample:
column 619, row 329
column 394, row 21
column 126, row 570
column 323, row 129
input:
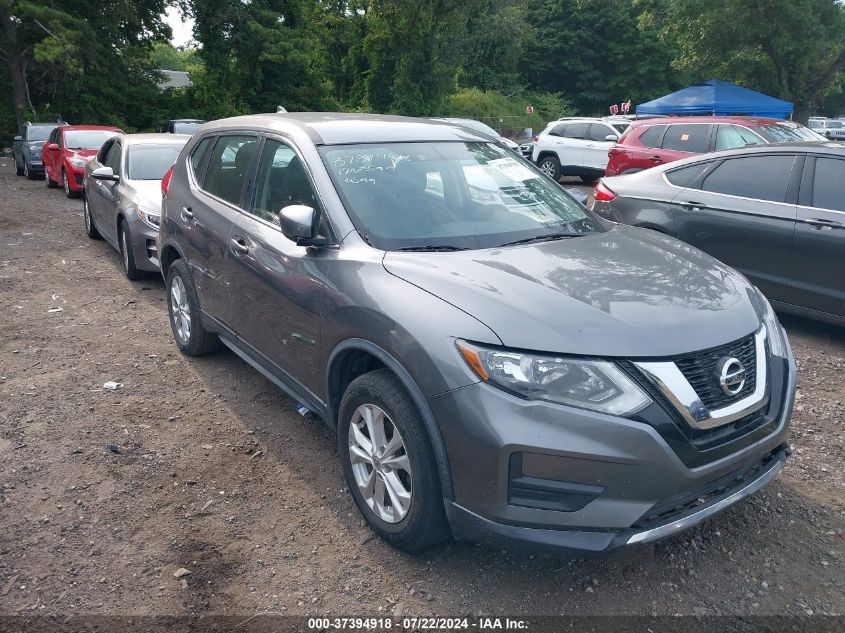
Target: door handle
column 187, row 214
column 238, row 246
column 693, row 206
column 822, row 222
column 655, row 159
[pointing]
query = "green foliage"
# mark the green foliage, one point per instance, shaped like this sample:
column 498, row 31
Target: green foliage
column 167, row 57
column 794, row 49
column 508, row 112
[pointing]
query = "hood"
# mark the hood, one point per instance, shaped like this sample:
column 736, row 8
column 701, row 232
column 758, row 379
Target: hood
column 626, row 293
column 147, row 193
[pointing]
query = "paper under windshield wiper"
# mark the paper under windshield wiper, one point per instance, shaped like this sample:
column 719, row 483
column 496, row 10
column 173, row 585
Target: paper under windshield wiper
column 541, row 238
column 433, row 248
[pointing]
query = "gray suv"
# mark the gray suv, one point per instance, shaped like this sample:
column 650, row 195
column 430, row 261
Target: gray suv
column 27, row 147
column 499, row 363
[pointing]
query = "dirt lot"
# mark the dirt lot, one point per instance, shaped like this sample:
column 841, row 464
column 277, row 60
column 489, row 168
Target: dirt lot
column 204, row 465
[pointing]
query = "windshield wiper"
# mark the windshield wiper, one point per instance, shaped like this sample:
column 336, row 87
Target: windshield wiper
column 433, row 248
column 541, row 238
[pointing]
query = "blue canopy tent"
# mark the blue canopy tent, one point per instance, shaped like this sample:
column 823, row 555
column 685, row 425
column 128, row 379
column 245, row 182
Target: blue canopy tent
column 719, row 98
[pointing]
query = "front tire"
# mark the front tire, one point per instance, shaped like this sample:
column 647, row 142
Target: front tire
column 126, row 254
column 28, row 172
column 18, row 169
column 90, row 228
column 184, row 312
column 70, row 193
column 48, row 180
column 550, row 165
column 389, row 462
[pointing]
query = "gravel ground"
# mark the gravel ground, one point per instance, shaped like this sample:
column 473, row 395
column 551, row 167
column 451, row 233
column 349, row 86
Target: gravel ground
column 196, row 488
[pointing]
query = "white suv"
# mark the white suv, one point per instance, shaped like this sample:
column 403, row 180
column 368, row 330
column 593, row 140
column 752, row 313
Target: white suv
column 577, row 146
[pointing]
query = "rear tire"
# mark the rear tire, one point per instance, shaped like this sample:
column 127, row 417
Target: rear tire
column 90, row 228
column 183, row 309
column 550, row 166
column 124, row 239
column 398, row 464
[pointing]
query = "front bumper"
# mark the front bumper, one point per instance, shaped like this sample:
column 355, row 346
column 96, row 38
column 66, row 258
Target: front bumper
column 468, row 525
column 144, row 245
column 547, row 476
column 75, row 178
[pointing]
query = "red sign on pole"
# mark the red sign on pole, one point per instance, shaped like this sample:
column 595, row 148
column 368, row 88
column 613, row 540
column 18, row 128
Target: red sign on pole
column 614, row 109
column 626, row 106
column 529, row 109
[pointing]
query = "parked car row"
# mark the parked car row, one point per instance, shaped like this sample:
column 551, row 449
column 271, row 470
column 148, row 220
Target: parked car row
column 774, row 212
column 500, row 363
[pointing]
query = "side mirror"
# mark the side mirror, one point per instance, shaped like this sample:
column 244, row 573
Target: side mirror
column 612, row 137
column 18, row 138
column 104, row 173
column 299, row 224
column 53, row 147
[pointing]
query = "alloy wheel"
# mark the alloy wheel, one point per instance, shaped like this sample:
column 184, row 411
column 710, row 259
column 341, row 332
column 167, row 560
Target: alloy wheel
column 547, row 167
column 124, row 249
column 66, row 183
column 180, row 311
column 380, row 463
column 86, row 211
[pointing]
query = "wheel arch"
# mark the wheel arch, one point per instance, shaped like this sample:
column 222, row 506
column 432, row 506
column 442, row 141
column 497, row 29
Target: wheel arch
column 169, row 254
column 354, row 357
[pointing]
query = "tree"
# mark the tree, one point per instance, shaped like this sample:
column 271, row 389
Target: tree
column 792, row 49
column 598, row 52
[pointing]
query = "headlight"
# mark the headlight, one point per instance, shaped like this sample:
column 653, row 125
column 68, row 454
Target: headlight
column 150, row 218
column 778, row 341
column 588, row 384
column 35, row 150
column 78, row 162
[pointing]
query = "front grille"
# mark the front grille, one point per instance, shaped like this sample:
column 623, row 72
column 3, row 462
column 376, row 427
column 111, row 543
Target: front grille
column 700, row 371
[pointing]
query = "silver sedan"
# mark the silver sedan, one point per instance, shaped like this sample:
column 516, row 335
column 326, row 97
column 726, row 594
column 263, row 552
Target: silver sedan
column 122, row 195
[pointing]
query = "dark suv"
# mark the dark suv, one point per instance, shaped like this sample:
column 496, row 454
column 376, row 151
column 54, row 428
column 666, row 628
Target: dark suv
column 496, row 360
column 27, row 147
column 654, row 142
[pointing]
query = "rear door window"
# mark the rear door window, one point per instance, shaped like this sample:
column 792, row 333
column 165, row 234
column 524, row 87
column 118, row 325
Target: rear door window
column 693, row 138
column 827, row 184
column 228, row 166
column 756, row 177
column 652, row 136
column 576, row 130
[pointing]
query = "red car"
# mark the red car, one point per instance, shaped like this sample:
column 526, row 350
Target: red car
column 653, row 142
column 68, row 149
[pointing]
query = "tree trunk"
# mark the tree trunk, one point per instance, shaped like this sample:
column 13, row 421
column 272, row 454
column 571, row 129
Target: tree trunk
column 14, row 62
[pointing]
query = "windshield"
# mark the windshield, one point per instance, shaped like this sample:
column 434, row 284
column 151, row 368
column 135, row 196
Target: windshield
column 151, row 162
column 450, row 195
column 39, row 132
column 835, row 124
column 786, row 132
column 186, row 127
column 87, row 139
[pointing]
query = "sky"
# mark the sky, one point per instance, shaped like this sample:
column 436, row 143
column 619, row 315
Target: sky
column 182, row 31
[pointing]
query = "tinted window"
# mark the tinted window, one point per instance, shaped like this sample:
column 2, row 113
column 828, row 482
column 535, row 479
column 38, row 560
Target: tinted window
column 786, row 132
column 87, row 139
column 685, row 176
column 757, row 177
column 282, row 181
column 198, row 154
column 598, row 132
column 827, row 184
column 104, row 152
column 150, row 162
column 748, row 136
column 576, row 130
column 693, row 138
column 113, row 158
column 651, row 137
column 228, row 165
column 558, row 130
